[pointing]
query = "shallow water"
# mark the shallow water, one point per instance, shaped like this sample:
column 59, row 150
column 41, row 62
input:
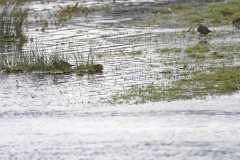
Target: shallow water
column 43, row 119
column 195, row 129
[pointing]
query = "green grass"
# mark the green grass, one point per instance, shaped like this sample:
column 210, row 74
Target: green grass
column 198, row 49
column 212, row 51
column 220, row 81
column 189, row 15
column 12, row 20
column 72, row 11
column 203, row 71
column 31, row 63
column 166, row 50
column 43, row 64
column 138, row 52
column 18, row 2
column 38, row 60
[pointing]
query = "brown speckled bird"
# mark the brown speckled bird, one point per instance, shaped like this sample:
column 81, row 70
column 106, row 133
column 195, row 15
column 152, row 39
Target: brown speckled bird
column 98, row 68
column 65, row 64
column 226, row 13
column 202, row 30
column 236, row 22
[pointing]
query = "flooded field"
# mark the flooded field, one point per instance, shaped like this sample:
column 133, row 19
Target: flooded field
column 174, row 130
column 113, row 114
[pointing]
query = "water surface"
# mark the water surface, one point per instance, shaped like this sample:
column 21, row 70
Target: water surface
column 67, row 119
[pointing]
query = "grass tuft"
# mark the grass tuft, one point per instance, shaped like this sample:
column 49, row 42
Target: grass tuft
column 198, row 49
column 12, row 19
column 225, row 80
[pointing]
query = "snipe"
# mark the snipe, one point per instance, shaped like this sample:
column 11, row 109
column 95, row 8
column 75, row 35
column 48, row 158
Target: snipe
column 202, row 30
column 236, row 22
column 98, row 68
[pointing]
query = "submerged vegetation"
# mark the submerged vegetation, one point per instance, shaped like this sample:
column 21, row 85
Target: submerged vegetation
column 12, row 20
column 38, row 60
column 198, row 48
column 12, row 1
column 33, row 63
column 13, row 17
column 175, row 50
column 219, row 81
column 77, row 10
column 211, row 76
column 43, row 64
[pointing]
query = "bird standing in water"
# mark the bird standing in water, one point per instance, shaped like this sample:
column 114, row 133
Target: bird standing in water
column 98, row 68
column 236, row 22
column 202, row 30
column 17, row 85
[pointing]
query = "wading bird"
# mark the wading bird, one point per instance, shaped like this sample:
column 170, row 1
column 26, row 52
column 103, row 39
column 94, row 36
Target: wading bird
column 226, row 13
column 98, row 68
column 65, row 64
column 202, row 30
column 236, row 22
column 17, row 85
